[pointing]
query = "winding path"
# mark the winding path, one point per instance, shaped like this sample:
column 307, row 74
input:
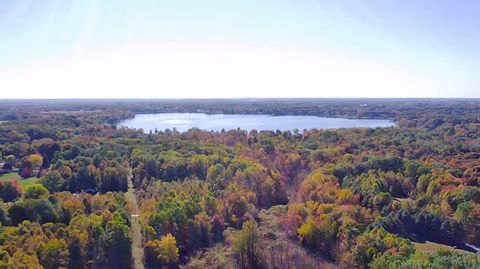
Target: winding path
column 137, row 248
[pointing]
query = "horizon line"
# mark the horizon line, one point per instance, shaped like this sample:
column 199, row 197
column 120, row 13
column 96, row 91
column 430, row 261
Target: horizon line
column 233, row 98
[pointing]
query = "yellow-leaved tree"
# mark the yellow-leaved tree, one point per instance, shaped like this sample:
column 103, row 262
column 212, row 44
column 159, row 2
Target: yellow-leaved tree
column 162, row 253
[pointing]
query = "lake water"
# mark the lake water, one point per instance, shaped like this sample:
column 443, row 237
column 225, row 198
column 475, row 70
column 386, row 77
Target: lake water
column 216, row 122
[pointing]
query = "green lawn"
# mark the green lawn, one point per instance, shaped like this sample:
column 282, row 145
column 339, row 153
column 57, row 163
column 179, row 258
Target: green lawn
column 24, row 183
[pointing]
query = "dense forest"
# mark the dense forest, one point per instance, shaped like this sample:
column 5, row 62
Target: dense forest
column 78, row 192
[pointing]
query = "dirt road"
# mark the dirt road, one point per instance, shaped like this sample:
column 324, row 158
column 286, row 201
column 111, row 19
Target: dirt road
column 137, row 248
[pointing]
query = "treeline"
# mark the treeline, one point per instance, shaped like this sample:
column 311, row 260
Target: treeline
column 428, row 113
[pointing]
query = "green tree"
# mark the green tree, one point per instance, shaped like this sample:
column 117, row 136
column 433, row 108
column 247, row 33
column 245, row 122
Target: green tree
column 4, row 218
column 198, row 165
column 216, row 177
column 54, row 254
column 245, row 245
column 118, row 245
column 36, row 191
column 35, row 210
column 53, row 181
column 77, row 247
column 113, row 179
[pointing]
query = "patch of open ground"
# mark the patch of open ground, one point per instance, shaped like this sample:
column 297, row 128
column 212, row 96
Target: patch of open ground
column 428, row 246
column 24, row 183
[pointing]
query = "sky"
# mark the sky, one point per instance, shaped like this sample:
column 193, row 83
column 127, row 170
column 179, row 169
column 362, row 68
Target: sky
column 239, row 48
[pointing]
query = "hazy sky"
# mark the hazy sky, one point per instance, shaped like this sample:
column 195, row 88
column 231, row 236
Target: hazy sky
column 239, row 48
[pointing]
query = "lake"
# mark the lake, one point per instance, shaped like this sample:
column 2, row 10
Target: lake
column 216, row 122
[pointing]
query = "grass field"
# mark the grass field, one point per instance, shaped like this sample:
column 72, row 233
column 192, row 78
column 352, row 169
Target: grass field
column 24, row 183
column 433, row 247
